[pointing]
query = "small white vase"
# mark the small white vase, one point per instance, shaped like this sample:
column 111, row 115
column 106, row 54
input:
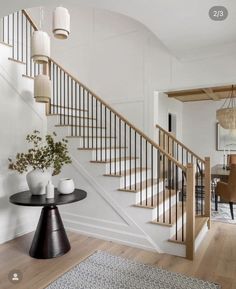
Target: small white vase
column 66, row 186
column 37, row 181
column 50, row 190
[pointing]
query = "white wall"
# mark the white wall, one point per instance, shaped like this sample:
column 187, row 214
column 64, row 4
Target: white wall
column 19, row 115
column 163, row 106
column 199, row 129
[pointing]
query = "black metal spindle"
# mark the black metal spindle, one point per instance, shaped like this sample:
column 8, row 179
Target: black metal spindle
column 140, row 173
column 146, row 169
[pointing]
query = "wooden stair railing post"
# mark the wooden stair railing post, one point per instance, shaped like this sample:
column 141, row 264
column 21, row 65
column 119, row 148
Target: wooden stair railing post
column 190, row 212
column 208, row 191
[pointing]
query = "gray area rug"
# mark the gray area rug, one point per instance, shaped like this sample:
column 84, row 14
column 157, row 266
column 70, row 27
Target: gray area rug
column 223, row 214
column 104, row 271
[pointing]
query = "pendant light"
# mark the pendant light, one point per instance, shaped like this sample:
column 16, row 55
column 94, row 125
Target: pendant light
column 40, row 44
column 42, row 88
column 61, row 23
column 226, row 115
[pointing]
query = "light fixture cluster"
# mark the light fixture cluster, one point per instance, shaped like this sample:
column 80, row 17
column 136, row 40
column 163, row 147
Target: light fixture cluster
column 40, row 51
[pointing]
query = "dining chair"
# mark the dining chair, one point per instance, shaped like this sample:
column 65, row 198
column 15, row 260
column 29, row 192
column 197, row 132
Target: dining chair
column 231, row 159
column 227, row 191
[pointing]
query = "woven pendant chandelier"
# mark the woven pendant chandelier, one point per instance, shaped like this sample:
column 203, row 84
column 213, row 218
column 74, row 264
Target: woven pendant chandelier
column 226, row 115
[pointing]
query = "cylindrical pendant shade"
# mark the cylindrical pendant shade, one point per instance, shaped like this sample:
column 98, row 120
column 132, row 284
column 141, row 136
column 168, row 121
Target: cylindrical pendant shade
column 42, row 88
column 40, row 47
column 61, row 23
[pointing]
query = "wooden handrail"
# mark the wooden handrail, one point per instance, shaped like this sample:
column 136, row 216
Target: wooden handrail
column 30, row 20
column 180, row 143
column 122, row 118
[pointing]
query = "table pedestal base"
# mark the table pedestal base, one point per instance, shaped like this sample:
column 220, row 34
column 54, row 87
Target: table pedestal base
column 50, row 239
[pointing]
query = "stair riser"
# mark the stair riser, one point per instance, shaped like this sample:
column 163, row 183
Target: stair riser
column 179, row 226
column 69, row 112
column 116, row 167
column 146, row 194
column 131, row 179
column 108, row 153
column 59, row 120
column 95, row 142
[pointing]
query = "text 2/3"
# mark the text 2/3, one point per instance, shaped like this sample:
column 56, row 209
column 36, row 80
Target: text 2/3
column 218, row 13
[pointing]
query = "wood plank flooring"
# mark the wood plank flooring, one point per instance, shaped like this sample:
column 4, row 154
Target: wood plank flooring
column 215, row 260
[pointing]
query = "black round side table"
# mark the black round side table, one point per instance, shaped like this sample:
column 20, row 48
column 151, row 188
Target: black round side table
column 50, row 239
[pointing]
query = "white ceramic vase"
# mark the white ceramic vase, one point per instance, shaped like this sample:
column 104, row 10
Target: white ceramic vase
column 37, row 181
column 66, row 186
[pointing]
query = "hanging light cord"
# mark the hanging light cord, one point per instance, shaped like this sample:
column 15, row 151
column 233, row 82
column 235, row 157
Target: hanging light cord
column 230, row 99
column 41, row 17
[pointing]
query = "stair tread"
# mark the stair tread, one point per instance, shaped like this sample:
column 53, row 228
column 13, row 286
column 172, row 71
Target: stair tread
column 68, row 107
column 70, row 116
column 157, row 199
column 113, row 160
column 128, row 172
column 164, row 219
column 6, row 44
column 86, row 137
column 28, row 76
column 199, row 223
column 70, row 125
column 102, row 148
column 17, row 61
column 139, row 185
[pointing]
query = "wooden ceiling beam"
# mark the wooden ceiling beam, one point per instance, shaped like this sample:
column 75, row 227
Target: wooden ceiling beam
column 212, row 95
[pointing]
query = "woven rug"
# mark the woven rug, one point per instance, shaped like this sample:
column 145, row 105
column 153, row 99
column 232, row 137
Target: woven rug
column 223, row 214
column 104, row 271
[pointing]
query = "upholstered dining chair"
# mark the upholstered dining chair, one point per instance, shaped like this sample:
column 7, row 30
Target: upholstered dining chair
column 231, row 159
column 227, row 191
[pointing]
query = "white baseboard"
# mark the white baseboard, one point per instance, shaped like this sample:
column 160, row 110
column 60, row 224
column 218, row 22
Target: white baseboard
column 107, row 235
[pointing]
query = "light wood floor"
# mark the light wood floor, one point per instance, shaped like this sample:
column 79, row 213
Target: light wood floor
column 215, row 260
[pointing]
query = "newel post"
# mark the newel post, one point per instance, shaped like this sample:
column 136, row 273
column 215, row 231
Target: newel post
column 190, row 212
column 208, row 191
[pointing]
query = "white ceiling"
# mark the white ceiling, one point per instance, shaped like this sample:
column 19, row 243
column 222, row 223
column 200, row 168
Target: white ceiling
column 183, row 26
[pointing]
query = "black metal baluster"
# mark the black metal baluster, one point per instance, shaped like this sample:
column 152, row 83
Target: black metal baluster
column 158, row 184
column 135, row 160
column 80, row 112
column 163, row 192
column 146, row 165
column 76, row 109
column 61, row 91
column 97, row 129
column 105, row 134
column 92, row 120
column 17, row 34
column 115, row 143
column 141, row 163
column 84, row 121
column 125, row 154
column 130, row 153
column 120, row 145
column 26, row 48
column 64, row 110
column 88, row 127
column 13, row 35
column 110, row 139
column 72, row 107
column 183, row 231
column 152, row 198
column 101, row 131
